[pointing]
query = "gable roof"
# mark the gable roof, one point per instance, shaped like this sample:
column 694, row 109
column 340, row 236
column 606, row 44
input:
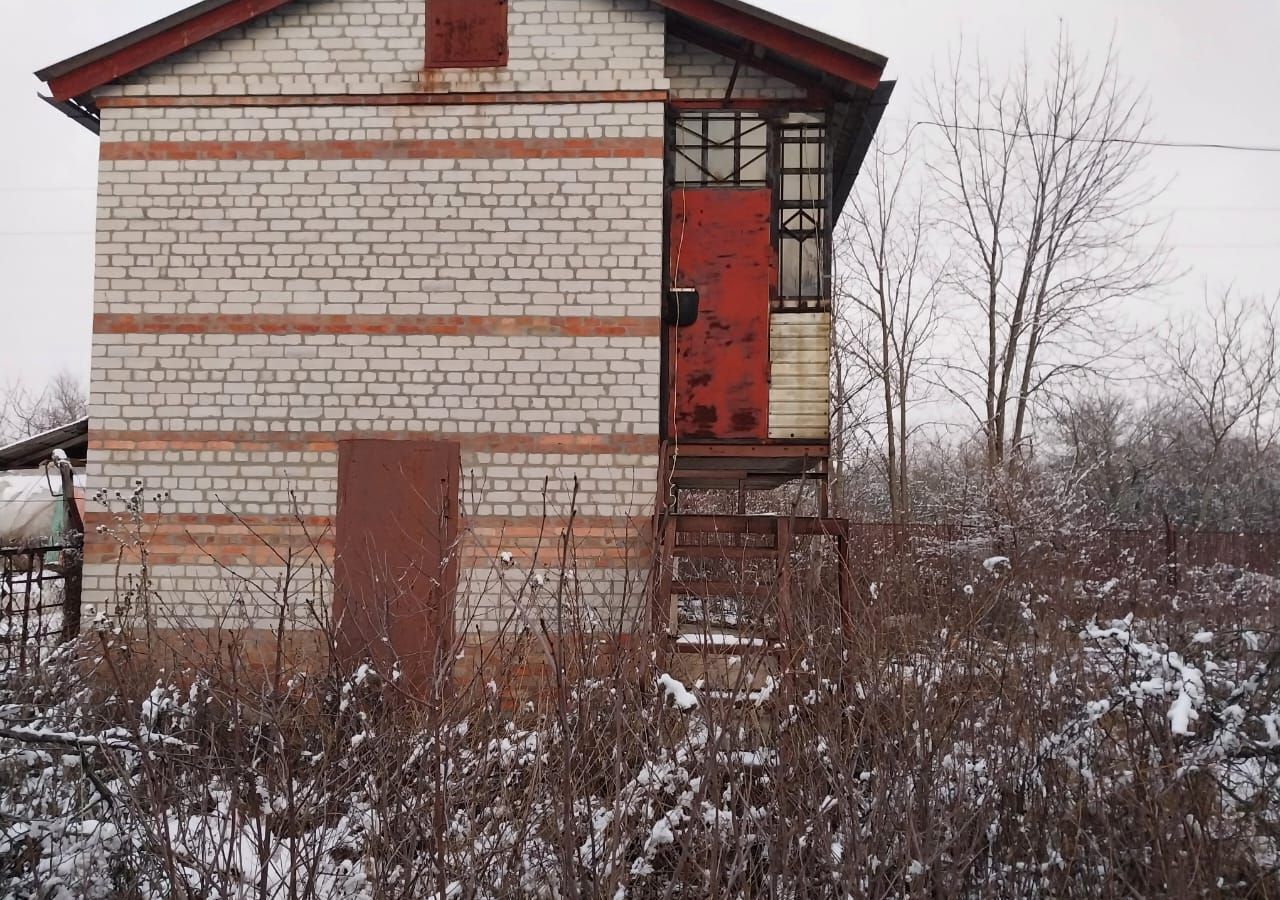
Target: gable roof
column 87, row 71
column 73, row 80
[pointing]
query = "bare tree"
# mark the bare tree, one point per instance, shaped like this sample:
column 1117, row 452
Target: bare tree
column 889, row 293
column 23, row 413
column 1043, row 190
column 1223, row 367
column 1110, row 441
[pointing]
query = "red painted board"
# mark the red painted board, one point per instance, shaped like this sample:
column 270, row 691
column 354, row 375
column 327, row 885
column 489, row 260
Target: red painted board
column 464, row 33
column 396, row 570
column 722, row 244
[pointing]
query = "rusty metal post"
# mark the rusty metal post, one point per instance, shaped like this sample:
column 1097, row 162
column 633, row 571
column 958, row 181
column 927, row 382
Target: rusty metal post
column 786, row 611
column 824, row 491
column 845, row 596
column 72, row 555
column 1170, row 552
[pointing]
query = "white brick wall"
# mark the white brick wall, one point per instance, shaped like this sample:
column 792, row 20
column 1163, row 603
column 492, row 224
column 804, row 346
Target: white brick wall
column 531, row 237
column 473, row 237
column 324, row 383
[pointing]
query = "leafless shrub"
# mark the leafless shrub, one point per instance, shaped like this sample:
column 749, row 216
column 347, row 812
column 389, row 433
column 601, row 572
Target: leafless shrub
column 979, row 730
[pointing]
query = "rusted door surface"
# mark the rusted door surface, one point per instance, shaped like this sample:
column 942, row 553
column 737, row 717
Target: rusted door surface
column 722, row 244
column 463, row 33
column 396, row 567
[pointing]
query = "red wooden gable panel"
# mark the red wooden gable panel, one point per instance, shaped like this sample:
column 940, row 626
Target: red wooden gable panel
column 466, row 33
column 722, row 244
column 396, row 569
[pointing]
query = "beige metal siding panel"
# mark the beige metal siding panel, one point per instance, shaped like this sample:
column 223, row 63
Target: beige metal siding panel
column 800, row 376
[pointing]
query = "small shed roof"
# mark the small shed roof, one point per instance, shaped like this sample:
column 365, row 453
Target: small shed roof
column 72, row 439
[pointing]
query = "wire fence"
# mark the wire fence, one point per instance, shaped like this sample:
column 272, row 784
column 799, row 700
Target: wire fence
column 1167, row 551
column 39, row 600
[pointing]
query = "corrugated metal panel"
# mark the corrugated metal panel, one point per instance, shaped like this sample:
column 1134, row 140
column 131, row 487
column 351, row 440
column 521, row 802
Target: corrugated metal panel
column 800, row 376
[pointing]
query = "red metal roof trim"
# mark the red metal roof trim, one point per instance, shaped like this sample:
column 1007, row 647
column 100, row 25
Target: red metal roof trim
column 152, row 48
column 113, row 61
column 787, row 41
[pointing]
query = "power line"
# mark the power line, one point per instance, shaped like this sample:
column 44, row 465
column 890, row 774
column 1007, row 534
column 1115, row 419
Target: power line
column 1136, row 142
column 13, row 189
column 42, row 233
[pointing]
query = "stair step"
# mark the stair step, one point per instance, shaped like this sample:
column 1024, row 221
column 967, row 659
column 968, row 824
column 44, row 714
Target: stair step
column 726, row 643
column 703, row 590
column 726, row 524
column 720, row 551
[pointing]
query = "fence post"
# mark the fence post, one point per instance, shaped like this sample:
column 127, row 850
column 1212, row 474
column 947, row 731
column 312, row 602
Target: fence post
column 1170, row 552
column 72, row 554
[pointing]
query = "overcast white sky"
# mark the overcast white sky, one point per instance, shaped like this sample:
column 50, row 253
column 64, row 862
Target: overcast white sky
column 1210, row 69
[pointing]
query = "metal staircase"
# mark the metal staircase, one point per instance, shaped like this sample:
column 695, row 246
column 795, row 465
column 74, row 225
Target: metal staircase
column 725, row 586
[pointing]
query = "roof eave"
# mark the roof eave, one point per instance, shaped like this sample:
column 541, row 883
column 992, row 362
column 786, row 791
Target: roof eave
column 847, row 62
column 81, row 74
column 37, row 447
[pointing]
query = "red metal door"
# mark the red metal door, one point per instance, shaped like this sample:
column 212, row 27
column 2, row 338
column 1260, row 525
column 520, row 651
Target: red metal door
column 396, row 567
column 466, row 33
column 722, row 244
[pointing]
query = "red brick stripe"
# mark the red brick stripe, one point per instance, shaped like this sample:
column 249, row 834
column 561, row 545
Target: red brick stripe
column 470, row 326
column 514, row 98
column 547, row 148
column 225, row 539
column 258, row 442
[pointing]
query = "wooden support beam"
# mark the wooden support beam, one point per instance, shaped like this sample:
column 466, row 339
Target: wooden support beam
column 804, row 526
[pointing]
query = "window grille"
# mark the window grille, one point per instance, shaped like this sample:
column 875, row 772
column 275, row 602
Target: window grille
column 721, row 149
column 804, row 279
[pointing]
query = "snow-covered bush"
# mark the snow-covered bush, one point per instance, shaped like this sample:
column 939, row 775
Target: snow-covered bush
column 983, row 730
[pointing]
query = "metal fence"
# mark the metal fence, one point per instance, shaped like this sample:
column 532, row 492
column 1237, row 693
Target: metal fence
column 1167, row 551
column 39, row 600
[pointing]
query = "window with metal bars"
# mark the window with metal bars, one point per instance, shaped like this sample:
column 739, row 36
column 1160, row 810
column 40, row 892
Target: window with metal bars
column 804, row 275
column 720, row 149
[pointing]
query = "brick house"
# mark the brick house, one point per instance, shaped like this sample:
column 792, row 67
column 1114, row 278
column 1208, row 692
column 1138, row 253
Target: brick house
column 397, row 285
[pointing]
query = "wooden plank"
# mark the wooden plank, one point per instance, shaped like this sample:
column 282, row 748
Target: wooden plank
column 801, row 403
column 800, row 423
column 804, row 383
column 802, row 319
column 799, row 432
column 798, row 356
column 779, row 350
column 807, row 368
